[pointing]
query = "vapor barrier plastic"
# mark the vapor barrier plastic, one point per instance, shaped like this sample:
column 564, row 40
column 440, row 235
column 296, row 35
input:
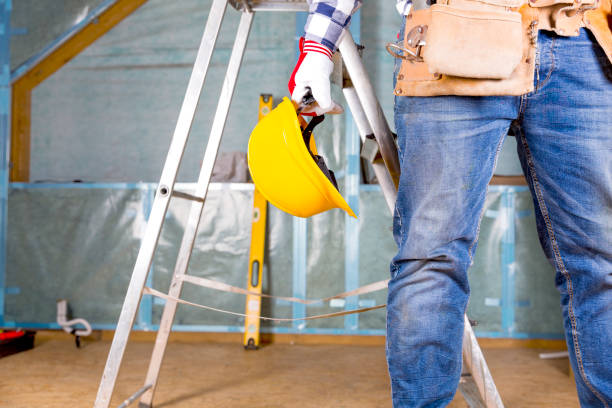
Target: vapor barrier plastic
column 485, row 275
column 325, row 265
column 81, row 244
column 76, row 244
column 221, row 252
column 512, row 283
column 108, row 114
column 376, row 248
column 538, row 311
column 37, row 23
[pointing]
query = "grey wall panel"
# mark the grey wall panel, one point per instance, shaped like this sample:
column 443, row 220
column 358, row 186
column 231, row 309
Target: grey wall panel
column 538, row 309
column 380, row 24
column 39, row 22
column 376, row 248
column 108, row 115
column 278, row 266
column 325, row 264
column 485, row 275
column 77, row 244
column 221, row 253
column 80, row 244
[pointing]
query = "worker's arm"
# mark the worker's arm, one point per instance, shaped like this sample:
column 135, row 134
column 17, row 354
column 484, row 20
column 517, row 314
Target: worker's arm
column 326, row 21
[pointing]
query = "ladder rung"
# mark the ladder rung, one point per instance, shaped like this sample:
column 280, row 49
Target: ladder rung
column 135, row 396
column 187, row 196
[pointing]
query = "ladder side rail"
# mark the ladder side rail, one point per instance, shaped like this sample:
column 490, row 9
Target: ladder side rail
column 190, row 233
column 382, row 174
column 371, row 107
column 160, row 206
column 481, row 378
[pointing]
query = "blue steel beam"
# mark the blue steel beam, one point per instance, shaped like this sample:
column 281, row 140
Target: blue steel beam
column 351, row 190
column 5, row 137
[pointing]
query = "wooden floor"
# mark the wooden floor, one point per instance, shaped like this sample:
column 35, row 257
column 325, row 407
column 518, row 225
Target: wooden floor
column 56, row 374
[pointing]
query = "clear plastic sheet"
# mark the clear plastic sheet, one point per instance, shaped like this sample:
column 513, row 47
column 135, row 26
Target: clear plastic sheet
column 485, row 275
column 81, row 244
column 221, row 252
column 325, row 265
column 37, row 23
column 376, row 248
column 537, row 310
column 108, row 114
column 75, row 244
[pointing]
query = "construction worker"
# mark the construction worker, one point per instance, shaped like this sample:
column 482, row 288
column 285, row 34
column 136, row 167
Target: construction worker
column 451, row 125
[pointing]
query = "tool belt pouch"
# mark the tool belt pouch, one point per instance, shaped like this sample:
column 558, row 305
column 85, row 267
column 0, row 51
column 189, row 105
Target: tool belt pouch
column 488, row 51
column 473, row 43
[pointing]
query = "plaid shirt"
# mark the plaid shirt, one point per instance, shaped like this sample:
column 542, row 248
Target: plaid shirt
column 328, row 18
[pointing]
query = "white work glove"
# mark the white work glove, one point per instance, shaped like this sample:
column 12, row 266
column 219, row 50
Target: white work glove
column 311, row 73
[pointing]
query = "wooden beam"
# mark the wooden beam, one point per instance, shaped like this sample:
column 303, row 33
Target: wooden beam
column 21, row 107
column 22, row 88
column 309, row 339
column 509, row 180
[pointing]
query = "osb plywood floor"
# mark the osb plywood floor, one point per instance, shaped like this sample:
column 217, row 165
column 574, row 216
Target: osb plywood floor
column 56, row 374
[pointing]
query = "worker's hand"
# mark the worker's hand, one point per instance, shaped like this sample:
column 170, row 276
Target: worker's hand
column 312, row 73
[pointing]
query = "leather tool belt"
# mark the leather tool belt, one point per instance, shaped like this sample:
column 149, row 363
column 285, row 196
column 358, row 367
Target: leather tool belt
column 479, row 48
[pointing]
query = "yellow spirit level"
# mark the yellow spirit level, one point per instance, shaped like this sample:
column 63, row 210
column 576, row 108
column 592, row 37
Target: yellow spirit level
column 256, row 254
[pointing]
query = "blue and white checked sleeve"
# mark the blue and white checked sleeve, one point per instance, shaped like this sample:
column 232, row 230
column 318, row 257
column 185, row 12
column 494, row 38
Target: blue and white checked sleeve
column 328, row 18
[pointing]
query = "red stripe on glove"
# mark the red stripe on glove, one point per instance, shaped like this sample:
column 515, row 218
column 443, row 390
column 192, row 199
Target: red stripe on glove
column 313, row 46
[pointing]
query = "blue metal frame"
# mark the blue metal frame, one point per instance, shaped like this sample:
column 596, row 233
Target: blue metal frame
column 507, row 262
column 5, row 137
column 145, row 311
column 351, row 192
column 300, row 256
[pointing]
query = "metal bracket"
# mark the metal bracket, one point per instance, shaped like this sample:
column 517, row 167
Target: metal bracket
column 269, row 5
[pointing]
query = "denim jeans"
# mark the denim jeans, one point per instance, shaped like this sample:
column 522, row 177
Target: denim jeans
column 448, row 147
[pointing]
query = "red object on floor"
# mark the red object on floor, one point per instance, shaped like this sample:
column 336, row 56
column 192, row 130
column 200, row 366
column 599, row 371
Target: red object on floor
column 7, row 335
column 15, row 341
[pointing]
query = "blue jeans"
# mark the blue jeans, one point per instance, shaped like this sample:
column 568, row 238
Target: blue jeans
column 448, row 147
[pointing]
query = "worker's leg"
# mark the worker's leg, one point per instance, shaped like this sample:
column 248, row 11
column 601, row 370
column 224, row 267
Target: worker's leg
column 448, row 147
column 565, row 144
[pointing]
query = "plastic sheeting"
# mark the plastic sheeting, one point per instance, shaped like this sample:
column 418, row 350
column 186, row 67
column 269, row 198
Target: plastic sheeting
column 36, row 23
column 76, row 244
column 80, row 243
column 108, row 114
column 221, row 253
column 512, row 283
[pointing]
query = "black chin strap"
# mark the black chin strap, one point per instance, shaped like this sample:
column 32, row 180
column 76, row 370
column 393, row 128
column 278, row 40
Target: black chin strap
column 307, row 132
column 306, row 135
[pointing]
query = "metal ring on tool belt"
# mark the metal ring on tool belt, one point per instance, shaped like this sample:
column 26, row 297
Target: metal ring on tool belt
column 407, row 54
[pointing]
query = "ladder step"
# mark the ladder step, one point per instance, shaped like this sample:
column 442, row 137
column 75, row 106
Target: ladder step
column 187, row 196
column 135, row 396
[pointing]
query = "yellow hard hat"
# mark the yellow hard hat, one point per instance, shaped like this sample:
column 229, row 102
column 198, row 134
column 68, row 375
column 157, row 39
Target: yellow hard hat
column 290, row 175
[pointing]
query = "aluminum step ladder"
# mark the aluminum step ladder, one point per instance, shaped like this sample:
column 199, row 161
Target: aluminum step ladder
column 476, row 384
